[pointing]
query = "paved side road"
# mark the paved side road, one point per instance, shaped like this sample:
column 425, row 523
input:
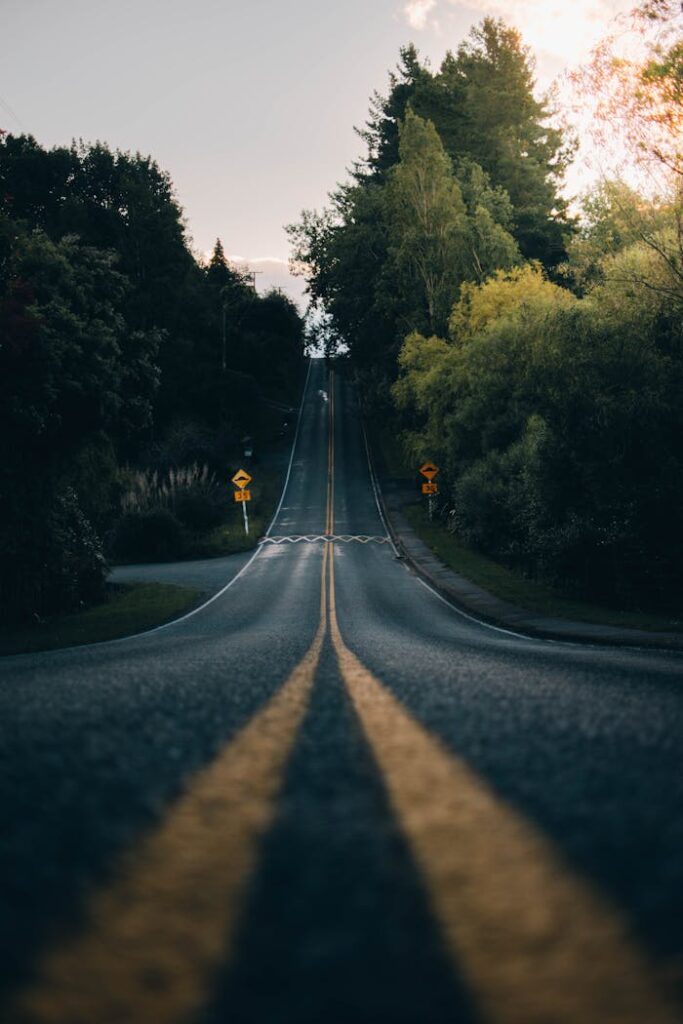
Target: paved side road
column 208, row 575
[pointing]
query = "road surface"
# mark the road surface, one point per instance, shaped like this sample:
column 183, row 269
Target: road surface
column 327, row 796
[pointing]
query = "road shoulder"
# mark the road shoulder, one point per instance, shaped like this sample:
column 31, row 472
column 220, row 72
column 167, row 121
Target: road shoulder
column 487, row 607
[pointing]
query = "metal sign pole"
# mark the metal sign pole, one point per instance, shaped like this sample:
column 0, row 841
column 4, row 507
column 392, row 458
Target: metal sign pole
column 241, row 480
column 430, row 470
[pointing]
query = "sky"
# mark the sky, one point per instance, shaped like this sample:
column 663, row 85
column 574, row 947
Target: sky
column 250, row 105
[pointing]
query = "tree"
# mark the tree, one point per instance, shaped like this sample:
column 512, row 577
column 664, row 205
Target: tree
column 504, row 294
column 388, row 258
column 557, row 423
column 614, row 217
column 343, row 253
column 482, row 104
column 427, row 223
column 109, row 330
column 71, row 375
column 490, row 244
column 381, row 133
column 636, row 105
column 637, row 100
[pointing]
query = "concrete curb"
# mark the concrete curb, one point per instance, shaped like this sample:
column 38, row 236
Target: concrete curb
column 468, row 597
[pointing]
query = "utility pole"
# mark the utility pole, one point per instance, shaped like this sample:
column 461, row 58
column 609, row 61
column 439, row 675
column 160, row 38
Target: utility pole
column 223, row 345
column 249, row 279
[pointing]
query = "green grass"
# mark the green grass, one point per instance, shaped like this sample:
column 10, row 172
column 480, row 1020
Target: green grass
column 127, row 609
column 515, row 588
column 226, row 540
column 230, row 538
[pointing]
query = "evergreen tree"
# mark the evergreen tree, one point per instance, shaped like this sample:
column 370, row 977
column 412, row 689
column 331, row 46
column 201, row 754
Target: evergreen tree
column 482, row 104
column 218, row 273
column 382, row 131
column 427, row 222
column 389, row 257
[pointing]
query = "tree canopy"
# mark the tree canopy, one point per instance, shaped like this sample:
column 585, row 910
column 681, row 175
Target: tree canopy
column 461, row 177
column 536, row 356
column 111, row 332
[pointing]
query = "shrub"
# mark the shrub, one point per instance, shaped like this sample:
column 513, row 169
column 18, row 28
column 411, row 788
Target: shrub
column 199, row 509
column 76, row 564
column 191, row 494
column 148, row 535
column 189, row 443
column 52, row 561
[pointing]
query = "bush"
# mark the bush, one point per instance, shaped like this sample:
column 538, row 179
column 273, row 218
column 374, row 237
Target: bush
column 189, row 443
column 191, row 494
column 77, row 568
column 200, row 510
column 153, row 535
column 160, row 509
column 51, row 563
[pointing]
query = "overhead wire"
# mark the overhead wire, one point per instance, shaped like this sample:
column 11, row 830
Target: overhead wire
column 5, row 105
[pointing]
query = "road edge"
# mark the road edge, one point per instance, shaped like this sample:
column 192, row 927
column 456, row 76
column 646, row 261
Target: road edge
column 500, row 614
column 214, row 597
column 257, row 549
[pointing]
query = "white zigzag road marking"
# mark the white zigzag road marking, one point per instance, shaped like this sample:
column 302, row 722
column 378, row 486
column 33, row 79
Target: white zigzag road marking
column 344, row 538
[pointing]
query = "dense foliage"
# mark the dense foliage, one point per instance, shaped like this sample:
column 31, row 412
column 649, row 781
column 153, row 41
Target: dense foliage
column 538, row 359
column 558, row 423
column 461, row 177
column 114, row 342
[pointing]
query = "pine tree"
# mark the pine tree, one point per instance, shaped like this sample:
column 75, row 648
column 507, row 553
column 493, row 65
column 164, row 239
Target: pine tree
column 218, row 272
column 427, row 218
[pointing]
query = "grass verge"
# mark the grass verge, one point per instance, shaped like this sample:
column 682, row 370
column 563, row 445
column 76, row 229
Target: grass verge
column 515, row 588
column 128, row 608
column 230, row 538
column 227, row 539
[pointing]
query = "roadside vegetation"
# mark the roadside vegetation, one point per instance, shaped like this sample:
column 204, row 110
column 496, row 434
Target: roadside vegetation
column 135, row 378
column 534, row 351
column 512, row 586
column 123, row 611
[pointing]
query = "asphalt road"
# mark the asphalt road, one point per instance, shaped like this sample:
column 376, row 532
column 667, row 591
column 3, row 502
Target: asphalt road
column 328, row 796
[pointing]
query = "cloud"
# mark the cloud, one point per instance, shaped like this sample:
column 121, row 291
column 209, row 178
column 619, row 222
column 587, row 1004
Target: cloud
column 417, row 12
column 565, row 31
column 259, row 259
column 273, row 272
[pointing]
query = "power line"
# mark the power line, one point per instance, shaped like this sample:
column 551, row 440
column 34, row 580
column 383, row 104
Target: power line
column 12, row 113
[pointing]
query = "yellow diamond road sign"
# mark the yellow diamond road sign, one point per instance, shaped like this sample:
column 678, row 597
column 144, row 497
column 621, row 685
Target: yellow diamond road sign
column 429, row 470
column 241, row 479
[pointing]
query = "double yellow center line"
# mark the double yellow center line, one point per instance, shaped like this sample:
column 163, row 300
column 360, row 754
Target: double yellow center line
column 536, row 943
column 329, row 514
column 157, row 933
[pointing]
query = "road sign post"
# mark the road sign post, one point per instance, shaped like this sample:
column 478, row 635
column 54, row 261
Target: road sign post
column 241, row 480
column 430, row 470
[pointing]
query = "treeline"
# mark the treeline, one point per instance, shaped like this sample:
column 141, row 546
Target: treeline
column 535, row 356
column 118, row 348
column 461, row 177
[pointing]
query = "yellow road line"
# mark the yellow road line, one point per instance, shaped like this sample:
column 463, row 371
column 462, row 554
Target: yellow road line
column 537, row 944
column 157, row 933
column 329, row 518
